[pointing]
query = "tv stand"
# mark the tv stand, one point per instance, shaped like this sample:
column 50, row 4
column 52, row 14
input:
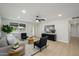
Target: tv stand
column 51, row 36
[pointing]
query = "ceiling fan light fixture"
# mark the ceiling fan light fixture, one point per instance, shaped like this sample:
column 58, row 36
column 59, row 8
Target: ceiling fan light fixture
column 37, row 21
column 18, row 17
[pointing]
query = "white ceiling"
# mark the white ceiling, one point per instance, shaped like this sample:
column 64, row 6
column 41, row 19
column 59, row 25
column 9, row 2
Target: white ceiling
column 48, row 11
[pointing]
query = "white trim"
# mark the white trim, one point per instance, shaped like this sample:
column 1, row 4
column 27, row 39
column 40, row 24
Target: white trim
column 63, row 41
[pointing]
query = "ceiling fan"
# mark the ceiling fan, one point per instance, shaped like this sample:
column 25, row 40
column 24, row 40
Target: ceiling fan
column 39, row 19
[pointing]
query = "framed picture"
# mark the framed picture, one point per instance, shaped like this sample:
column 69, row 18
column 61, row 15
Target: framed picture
column 22, row 25
column 14, row 24
column 49, row 28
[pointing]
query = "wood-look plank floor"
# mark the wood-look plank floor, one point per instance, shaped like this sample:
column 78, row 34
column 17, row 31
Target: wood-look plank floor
column 61, row 49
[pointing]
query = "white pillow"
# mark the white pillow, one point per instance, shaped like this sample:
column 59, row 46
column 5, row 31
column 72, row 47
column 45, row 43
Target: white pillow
column 11, row 39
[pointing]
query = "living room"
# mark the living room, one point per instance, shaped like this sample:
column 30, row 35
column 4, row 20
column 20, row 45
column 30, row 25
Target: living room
column 29, row 22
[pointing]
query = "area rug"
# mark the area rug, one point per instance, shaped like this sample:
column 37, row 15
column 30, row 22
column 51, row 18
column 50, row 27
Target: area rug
column 30, row 50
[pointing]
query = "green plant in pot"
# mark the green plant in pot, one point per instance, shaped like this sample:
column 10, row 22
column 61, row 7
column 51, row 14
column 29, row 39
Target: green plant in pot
column 6, row 29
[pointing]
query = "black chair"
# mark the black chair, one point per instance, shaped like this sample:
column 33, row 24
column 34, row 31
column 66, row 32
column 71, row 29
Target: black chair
column 41, row 43
column 24, row 36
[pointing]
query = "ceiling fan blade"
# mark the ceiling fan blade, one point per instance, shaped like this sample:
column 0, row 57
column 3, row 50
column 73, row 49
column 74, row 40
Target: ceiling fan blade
column 41, row 19
column 75, row 17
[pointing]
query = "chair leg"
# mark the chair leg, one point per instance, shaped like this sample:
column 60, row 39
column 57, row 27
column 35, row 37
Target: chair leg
column 40, row 49
column 34, row 46
column 45, row 46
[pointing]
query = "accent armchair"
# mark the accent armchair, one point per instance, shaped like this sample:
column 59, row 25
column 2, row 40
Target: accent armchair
column 41, row 43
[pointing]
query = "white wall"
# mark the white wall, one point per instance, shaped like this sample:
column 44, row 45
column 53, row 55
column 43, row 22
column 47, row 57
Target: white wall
column 62, row 29
column 31, row 28
column 0, row 26
column 29, row 25
column 36, row 29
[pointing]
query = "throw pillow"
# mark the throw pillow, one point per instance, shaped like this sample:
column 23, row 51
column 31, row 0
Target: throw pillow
column 15, row 46
column 13, row 41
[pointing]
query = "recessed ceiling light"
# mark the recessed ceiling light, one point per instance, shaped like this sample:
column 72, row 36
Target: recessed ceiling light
column 23, row 11
column 60, row 15
column 18, row 17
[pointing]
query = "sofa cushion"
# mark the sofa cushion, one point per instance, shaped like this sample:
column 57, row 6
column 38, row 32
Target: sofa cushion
column 3, row 42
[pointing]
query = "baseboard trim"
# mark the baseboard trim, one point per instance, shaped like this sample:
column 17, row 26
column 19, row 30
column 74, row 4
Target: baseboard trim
column 63, row 41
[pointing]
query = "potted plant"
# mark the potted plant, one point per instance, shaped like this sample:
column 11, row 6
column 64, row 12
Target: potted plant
column 6, row 29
